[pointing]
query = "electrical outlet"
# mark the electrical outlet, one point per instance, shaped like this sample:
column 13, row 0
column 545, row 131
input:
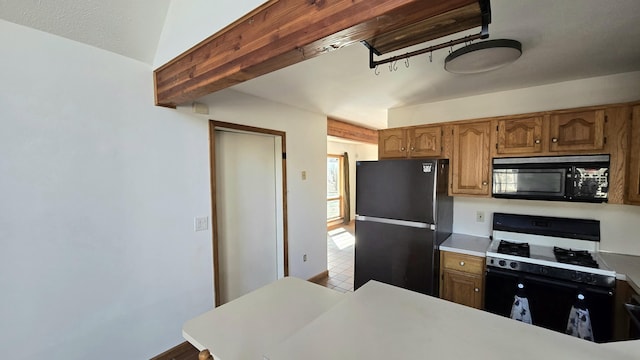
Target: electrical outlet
column 304, row 175
column 201, row 223
column 480, row 216
column 304, row 258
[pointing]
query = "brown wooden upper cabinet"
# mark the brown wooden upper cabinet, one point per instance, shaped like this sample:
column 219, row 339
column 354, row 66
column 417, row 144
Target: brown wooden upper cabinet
column 470, row 163
column 633, row 183
column 392, row 144
column 577, row 131
column 415, row 142
column 554, row 134
column 520, row 136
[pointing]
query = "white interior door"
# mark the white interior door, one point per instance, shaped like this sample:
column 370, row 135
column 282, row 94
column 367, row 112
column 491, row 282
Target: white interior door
column 249, row 211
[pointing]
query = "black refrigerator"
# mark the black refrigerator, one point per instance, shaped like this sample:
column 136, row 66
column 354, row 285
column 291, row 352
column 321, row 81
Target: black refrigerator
column 403, row 214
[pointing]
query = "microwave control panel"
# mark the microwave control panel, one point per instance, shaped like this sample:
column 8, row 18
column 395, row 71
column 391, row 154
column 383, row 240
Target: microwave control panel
column 591, row 183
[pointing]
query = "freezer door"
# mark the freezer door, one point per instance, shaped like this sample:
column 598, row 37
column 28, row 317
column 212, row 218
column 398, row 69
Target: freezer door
column 398, row 255
column 397, row 189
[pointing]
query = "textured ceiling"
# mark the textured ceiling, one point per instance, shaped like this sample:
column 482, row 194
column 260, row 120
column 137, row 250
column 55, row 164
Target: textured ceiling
column 128, row 27
column 561, row 40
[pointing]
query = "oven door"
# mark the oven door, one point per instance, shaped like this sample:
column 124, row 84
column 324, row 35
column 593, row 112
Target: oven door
column 530, row 183
column 550, row 300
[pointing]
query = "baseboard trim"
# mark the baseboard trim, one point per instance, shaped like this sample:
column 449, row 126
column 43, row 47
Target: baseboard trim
column 319, row 277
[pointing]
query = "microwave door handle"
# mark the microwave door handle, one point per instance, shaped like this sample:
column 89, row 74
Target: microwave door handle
column 570, row 182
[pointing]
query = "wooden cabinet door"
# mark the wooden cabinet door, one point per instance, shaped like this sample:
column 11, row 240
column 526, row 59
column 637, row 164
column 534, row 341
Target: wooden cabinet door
column 471, row 159
column 392, row 144
column 520, row 136
column 577, row 131
column 462, row 288
column 633, row 185
column 425, row 141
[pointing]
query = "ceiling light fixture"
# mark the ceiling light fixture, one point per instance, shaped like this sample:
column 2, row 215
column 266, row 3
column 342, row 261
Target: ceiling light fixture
column 483, row 56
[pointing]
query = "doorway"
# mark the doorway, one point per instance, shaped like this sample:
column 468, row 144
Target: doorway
column 248, row 190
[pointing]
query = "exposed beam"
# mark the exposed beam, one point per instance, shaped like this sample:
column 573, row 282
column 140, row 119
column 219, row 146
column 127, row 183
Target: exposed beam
column 281, row 33
column 348, row 131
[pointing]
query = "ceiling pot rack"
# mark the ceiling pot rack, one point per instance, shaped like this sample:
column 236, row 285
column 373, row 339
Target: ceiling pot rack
column 485, row 14
column 374, row 63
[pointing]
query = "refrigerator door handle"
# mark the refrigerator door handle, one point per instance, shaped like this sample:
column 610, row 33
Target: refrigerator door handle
column 414, row 224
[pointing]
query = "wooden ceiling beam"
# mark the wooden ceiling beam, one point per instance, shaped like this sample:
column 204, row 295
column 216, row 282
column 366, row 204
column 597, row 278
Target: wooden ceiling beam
column 349, row 131
column 281, row 33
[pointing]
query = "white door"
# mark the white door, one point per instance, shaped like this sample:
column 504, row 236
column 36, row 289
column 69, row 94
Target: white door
column 249, row 211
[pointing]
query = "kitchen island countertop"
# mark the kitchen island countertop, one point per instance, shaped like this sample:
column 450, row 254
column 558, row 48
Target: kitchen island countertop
column 380, row 321
column 466, row 244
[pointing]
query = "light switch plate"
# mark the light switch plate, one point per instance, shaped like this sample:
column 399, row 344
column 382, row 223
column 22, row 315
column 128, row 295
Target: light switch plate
column 201, row 223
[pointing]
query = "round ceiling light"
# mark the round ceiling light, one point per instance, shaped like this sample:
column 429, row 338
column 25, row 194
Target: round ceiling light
column 483, row 56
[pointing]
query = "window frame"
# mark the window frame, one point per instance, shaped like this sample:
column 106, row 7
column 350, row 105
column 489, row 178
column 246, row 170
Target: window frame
column 340, row 197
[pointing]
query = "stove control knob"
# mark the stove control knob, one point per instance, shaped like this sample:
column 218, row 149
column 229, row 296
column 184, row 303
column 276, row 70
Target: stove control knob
column 589, row 279
column 502, row 263
column 513, row 264
column 544, row 271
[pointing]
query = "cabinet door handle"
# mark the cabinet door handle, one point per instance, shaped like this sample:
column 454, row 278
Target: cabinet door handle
column 476, row 290
column 554, row 140
column 461, row 263
column 412, row 148
column 484, row 183
column 537, row 141
column 402, row 149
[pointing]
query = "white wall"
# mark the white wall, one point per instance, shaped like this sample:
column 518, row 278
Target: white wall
column 98, row 191
column 189, row 22
column 357, row 152
column 306, row 145
column 618, row 222
column 564, row 95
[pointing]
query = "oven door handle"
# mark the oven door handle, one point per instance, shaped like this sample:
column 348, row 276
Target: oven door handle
column 567, row 284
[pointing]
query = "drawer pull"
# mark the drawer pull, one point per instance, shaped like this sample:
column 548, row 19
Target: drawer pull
column 461, row 263
column 476, row 290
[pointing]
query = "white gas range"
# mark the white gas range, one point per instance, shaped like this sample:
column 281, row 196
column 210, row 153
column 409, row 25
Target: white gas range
column 568, row 259
column 554, row 263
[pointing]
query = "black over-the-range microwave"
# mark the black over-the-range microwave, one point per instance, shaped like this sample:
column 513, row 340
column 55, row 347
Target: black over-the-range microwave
column 561, row 178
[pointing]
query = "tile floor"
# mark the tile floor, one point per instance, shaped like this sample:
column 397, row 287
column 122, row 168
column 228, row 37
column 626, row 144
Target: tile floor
column 340, row 245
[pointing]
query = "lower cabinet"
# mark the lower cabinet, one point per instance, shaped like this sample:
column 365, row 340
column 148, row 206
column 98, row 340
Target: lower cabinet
column 624, row 329
column 462, row 279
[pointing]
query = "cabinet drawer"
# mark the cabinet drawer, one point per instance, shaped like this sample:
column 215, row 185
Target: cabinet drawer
column 461, row 262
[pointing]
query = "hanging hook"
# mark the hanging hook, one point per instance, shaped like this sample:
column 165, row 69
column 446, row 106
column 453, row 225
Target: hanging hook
column 431, row 57
column 406, row 62
column 376, row 71
column 395, row 65
column 450, row 46
column 391, row 67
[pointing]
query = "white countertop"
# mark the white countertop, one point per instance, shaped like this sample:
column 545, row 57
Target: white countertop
column 627, row 267
column 466, row 244
column 245, row 327
column 380, row 321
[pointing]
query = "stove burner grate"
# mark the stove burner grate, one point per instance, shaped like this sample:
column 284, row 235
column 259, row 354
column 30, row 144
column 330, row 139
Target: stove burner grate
column 575, row 257
column 512, row 248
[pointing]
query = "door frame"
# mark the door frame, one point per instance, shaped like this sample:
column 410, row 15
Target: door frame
column 213, row 126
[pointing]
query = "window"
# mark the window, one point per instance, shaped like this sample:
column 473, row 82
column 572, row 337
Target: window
column 334, row 187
